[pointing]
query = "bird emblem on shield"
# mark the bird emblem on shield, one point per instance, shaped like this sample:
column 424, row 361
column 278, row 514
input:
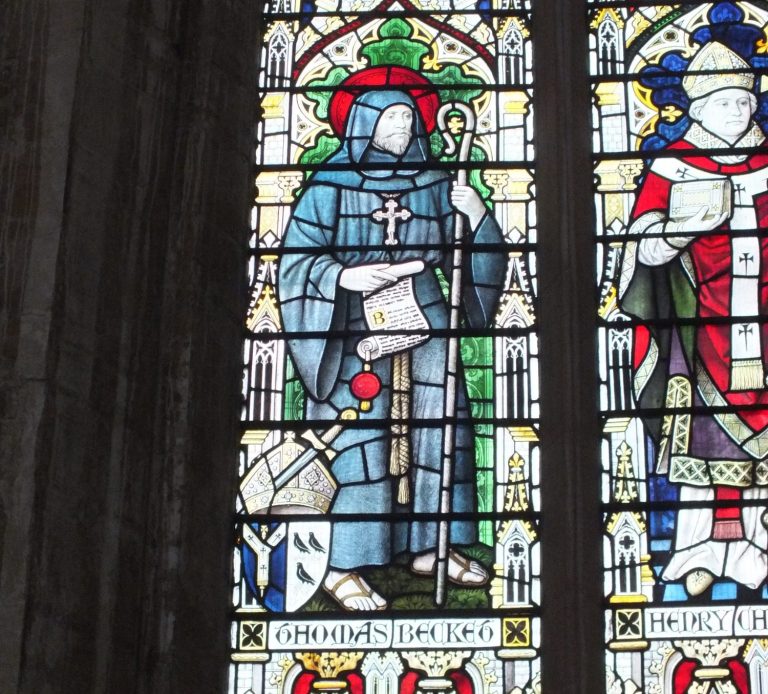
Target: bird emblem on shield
column 285, row 561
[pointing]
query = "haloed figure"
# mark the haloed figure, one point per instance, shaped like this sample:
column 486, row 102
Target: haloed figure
column 358, row 228
column 709, row 265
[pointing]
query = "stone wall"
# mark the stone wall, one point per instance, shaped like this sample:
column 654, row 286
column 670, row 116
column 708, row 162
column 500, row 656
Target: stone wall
column 125, row 171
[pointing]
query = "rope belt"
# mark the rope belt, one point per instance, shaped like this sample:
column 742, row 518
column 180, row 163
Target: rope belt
column 400, row 447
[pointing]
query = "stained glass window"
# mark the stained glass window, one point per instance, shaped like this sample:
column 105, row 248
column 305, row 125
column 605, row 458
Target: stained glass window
column 680, row 173
column 387, row 522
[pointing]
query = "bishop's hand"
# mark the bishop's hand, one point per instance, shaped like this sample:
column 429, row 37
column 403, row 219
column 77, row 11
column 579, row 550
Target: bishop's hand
column 466, row 200
column 679, row 234
column 367, row 278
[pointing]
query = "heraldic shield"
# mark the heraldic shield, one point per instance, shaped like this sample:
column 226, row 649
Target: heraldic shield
column 285, row 561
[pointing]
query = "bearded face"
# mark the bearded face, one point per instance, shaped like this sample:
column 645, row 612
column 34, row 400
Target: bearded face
column 394, row 130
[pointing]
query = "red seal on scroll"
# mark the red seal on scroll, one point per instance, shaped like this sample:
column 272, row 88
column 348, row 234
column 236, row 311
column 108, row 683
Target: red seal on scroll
column 365, row 385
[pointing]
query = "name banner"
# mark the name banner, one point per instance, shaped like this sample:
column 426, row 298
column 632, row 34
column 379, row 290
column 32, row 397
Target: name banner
column 703, row 622
column 384, row 633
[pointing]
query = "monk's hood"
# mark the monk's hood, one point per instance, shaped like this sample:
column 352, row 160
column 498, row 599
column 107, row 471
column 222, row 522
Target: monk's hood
column 358, row 139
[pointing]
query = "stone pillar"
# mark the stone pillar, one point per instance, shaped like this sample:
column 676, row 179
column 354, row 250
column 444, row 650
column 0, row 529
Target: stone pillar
column 126, row 178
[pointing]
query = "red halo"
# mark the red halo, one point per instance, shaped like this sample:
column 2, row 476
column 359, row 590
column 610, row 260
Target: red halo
column 425, row 97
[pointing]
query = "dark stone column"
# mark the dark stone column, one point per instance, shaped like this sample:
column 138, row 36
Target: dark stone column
column 126, row 176
column 572, row 576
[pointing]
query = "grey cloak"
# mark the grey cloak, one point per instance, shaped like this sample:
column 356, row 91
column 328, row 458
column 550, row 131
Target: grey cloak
column 332, row 228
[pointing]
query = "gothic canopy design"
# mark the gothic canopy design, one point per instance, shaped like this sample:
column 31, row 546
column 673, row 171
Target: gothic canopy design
column 680, row 170
column 387, row 521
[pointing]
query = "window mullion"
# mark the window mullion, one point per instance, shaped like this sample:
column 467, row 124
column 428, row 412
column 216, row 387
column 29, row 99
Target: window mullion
column 572, row 644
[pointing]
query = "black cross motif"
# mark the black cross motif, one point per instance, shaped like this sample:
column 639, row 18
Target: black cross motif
column 517, row 549
column 252, row 635
column 390, row 214
column 628, row 623
column 626, row 542
column 746, row 258
column 515, row 632
column 746, row 330
column 683, row 173
column 738, row 189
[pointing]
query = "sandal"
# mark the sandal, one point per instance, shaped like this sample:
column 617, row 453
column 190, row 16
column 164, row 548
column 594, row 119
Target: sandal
column 360, row 589
column 461, row 566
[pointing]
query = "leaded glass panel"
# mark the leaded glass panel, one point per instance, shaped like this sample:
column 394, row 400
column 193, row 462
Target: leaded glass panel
column 680, row 173
column 387, row 521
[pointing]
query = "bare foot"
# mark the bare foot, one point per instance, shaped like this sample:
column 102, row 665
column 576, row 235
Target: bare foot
column 461, row 570
column 352, row 592
column 698, row 581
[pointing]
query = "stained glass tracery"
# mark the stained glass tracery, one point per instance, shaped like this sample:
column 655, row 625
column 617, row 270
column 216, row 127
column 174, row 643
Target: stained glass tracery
column 354, row 406
column 679, row 123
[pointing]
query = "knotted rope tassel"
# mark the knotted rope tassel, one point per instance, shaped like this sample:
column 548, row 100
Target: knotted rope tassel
column 400, row 449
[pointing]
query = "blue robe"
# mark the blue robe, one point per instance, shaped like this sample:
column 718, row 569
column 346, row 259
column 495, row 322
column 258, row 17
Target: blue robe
column 332, row 228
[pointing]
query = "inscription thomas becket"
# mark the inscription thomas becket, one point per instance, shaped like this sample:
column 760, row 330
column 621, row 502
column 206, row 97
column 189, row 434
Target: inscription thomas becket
column 381, row 633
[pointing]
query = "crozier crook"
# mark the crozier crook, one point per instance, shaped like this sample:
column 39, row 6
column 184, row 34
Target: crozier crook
column 452, row 361
column 466, row 138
